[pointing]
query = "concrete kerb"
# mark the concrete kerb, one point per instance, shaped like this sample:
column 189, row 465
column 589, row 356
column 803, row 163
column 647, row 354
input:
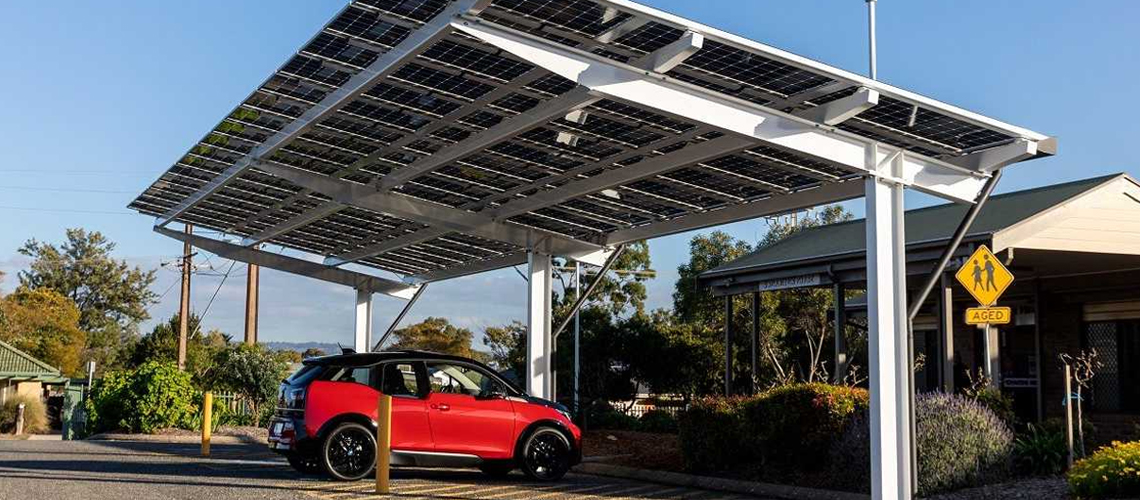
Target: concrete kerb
column 173, row 439
column 716, row 483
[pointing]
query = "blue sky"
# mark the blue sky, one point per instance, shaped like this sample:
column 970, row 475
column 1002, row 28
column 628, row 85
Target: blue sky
column 101, row 97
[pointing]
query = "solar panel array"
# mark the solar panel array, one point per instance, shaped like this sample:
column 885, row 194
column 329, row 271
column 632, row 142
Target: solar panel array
column 454, row 87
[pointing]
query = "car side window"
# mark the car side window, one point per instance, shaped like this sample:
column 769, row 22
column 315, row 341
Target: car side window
column 359, row 374
column 399, row 379
column 451, row 378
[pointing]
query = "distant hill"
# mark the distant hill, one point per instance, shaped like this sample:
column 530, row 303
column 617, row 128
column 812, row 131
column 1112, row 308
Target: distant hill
column 329, row 348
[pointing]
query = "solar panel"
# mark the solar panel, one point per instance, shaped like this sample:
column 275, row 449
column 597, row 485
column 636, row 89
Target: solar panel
column 495, row 150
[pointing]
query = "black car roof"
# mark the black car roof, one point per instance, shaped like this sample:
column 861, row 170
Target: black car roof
column 371, row 358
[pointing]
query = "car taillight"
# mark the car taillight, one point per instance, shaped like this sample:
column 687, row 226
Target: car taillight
column 295, row 399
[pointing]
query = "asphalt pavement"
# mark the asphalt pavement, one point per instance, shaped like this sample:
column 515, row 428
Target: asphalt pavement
column 107, row 470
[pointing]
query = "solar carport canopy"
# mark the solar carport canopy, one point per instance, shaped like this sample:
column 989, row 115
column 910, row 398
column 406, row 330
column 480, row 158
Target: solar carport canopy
column 436, row 138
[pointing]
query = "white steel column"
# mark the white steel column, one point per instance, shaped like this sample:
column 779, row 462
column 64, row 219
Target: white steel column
column 362, row 341
column 886, row 312
column 539, row 343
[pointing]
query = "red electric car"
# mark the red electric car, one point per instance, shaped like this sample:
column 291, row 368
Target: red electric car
column 446, row 411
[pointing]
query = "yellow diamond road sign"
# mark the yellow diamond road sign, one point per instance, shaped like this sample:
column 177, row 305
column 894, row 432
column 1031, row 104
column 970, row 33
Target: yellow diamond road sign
column 984, row 276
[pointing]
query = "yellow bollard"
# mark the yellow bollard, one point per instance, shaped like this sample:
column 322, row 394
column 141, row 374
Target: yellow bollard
column 383, row 443
column 207, row 419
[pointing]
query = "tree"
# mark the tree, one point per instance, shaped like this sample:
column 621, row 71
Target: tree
column 312, row 352
column 692, row 303
column 250, row 371
column 44, row 324
column 287, row 356
column 161, row 344
column 436, row 335
column 673, row 357
column 111, row 296
column 618, row 292
column 508, row 346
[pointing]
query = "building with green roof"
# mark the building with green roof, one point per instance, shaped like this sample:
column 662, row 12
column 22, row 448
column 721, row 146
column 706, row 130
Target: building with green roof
column 22, row 374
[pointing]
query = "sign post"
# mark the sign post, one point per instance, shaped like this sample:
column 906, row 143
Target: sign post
column 383, row 443
column 986, row 278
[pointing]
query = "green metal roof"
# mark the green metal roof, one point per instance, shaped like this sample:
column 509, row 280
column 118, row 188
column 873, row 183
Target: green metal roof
column 928, row 224
column 15, row 363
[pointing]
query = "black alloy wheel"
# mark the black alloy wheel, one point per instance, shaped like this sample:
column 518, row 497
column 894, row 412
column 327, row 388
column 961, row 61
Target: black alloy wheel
column 546, row 454
column 349, row 452
column 306, row 464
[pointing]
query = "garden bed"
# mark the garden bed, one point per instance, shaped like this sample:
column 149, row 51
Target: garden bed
column 644, row 450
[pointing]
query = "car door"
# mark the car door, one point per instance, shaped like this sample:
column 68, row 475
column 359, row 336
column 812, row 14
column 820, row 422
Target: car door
column 468, row 411
column 404, row 381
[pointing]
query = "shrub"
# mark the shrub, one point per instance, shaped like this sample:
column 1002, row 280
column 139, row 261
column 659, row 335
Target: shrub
column 151, row 397
column 999, row 403
column 1112, row 471
column 1038, row 451
column 35, row 414
column 960, row 444
column 795, row 425
column 604, row 416
column 658, row 421
column 711, row 433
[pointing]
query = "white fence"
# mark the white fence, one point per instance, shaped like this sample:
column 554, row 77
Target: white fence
column 642, row 406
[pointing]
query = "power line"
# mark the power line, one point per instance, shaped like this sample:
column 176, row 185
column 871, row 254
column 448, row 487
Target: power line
column 202, row 317
column 75, row 172
column 65, row 210
column 69, row 190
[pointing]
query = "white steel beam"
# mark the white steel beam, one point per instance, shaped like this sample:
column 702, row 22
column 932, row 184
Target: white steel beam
column 631, row 84
column 841, row 110
column 822, row 195
column 886, row 312
column 475, row 267
column 692, row 154
column 437, row 216
column 539, row 342
column 418, row 40
column 545, row 112
column 292, row 265
column 989, row 160
column 362, row 326
column 670, row 56
column 305, row 218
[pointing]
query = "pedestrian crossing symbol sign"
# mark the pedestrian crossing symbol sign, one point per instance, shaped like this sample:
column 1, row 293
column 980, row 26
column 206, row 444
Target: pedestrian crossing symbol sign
column 984, row 276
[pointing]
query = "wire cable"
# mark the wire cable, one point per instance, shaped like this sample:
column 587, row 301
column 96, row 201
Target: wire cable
column 202, row 317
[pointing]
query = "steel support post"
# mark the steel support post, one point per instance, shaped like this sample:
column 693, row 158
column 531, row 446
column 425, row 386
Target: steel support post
column 886, row 315
column 839, row 292
column 577, row 335
column 946, row 329
column 755, row 354
column 362, row 340
column 728, row 345
column 539, row 341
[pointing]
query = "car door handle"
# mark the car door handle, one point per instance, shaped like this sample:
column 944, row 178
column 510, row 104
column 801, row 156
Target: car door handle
column 441, row 407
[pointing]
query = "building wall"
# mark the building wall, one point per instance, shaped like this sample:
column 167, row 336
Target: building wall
column 1060, row 333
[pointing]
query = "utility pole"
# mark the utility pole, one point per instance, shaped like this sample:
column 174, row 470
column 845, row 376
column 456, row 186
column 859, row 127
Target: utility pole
column 251, row 284
column 184, row 303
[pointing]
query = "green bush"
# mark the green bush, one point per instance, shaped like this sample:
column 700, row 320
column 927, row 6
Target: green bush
column 795, row 425
column 35, row 414
column 997, row 402
column 960, row 444
column 711, row 432
column 1038, row 451
column 604, row 416
column 1111, row 472
column 658, row 421
column 153, row 396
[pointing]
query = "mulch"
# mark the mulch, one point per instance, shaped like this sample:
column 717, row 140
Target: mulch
column 644, row 450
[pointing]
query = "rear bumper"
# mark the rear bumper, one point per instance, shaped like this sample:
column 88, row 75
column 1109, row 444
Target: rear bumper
column 287, row 436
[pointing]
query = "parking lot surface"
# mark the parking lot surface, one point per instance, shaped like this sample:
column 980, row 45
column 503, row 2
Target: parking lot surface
column 135, row 471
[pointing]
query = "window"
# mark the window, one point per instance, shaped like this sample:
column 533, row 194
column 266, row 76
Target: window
column 400, row 379
column 448, row 378
column 359, row 374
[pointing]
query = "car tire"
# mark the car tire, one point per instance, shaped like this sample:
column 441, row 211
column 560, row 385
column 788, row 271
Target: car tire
column 348, row 453
column 545, row 454
column 497, row 469
column 306, row 464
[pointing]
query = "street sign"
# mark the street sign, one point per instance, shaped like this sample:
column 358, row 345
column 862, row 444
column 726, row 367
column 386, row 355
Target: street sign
column 988, row 316
column 984, row 276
